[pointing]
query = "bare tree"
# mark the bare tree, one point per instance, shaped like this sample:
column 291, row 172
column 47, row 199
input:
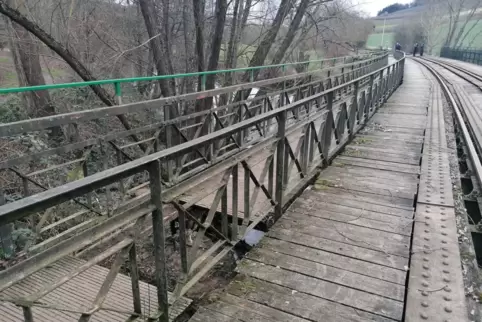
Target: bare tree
column 25, row 50
column 431, row 21
column 462, row 34
column 63, row 52
column 156, row 44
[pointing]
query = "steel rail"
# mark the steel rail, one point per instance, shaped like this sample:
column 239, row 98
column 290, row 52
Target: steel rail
column 448, row 65
column 461, row 121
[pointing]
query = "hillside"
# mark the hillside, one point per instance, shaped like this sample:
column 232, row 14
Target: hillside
column 392, row 21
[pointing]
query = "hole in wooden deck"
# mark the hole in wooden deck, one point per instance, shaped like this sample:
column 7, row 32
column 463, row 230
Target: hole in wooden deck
column 477, row 240
column 473, row 211
column 467, row 185
column 463, row 166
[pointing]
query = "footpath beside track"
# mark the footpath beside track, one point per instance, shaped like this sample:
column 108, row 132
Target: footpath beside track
column 380, row 218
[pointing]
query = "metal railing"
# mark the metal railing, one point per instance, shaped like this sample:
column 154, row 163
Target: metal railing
column 187, row 126
column 321, row 124
column 82, row 158
column 201, row 76
column 470, row 55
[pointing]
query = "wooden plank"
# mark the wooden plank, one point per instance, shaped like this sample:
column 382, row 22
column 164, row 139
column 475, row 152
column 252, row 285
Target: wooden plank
column 353, row 235
column 358, row 163
column 337, row 202
column 402, row 110
column 328, row 273
column 361, row 218
column 204, row 314
column 390, row 145
column 355, row 211
column 415, row 136
column 362, row 196
column 301, row 283
column 355, row 187
column 391, row 137
column 340, row 247
column 246, row 310
column 389, row 149
column 385, row 150
column 410, row 141
column 391, row 128
column 354, row 265
column 370, row 175
column 80, row 292
column 395, row 158
column 298, row 303
column 373, row 168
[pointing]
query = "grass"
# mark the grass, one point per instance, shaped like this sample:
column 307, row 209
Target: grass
column 375, row 40
column 8, row 79
column 55, row 72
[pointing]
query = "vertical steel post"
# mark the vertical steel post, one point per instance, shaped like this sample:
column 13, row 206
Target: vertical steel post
column 27, row 314
column 118, row 93
column 280, row 162
column 234, row 208
column 327, row 129
column 85, row 171
column 159, row 239
column 136, row 294
column 353, row 111
column 6, row 233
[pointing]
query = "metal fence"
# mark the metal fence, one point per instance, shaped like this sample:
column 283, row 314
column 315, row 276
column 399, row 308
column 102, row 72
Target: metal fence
column 470, row 55
column 320, row 124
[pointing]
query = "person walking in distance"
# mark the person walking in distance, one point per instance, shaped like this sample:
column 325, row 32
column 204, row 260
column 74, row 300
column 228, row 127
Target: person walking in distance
column 421, row 49
column 415, row 49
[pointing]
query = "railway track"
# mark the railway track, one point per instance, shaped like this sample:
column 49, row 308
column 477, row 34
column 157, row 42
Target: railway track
column 468, row 116
column 462, row 89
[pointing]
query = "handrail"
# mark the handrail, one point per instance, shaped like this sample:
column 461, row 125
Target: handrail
column 203, row 75
column 40, row 123
column 51, row 197
column 319, row 116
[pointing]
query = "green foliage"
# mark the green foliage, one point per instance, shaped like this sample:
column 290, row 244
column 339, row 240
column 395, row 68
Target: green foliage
column 12, row 109
column 393, row 8
column 21, row 237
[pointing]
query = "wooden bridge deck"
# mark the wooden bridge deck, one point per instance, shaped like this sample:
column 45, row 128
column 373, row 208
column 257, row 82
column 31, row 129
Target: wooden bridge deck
column 342, row 250
column 69, row 301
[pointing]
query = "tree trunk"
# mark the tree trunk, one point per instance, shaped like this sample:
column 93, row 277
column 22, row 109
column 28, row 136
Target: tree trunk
column 288, row 39
column 247, row 10
column 264, row 47
column 198, row 8
column 27, row 54
column 217, row 38
column 152, row 25
column 22, row 81
column 66, row 55
column 220, row 14
column 459, row 38
column 188, row 44
column 167, row 39
column 232, row 52
column 454, row 21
